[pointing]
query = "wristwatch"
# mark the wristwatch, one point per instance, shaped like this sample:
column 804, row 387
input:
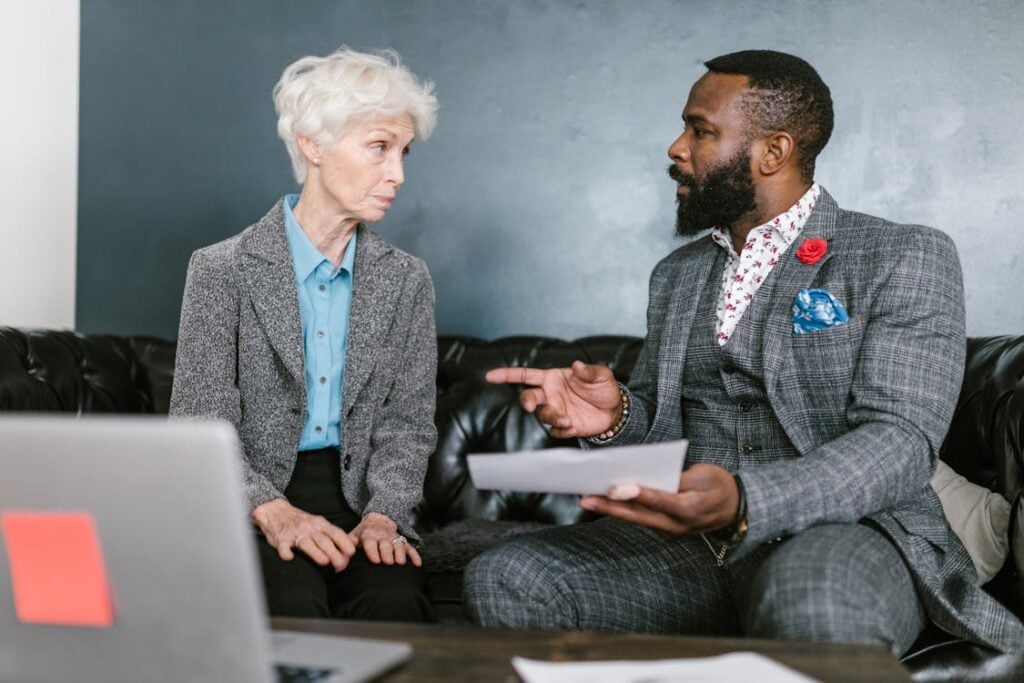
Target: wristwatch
column 738, row 530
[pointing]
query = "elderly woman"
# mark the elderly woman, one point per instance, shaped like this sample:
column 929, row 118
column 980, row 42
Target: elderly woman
column 315, row 338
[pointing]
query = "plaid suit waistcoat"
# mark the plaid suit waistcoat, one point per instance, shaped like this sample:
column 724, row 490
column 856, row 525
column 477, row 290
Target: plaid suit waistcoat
column 726, row 415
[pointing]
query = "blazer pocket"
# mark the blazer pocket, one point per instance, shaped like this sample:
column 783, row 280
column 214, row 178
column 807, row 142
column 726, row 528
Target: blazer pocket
column 837, row 334
column 828, row 355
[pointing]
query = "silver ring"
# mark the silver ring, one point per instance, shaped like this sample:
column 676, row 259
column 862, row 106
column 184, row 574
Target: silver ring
column 400, row 540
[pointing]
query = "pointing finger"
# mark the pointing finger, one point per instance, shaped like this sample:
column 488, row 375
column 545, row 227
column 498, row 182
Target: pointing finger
column 531, row 376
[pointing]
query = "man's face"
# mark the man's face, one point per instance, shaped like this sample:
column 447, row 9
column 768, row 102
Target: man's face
column 711, row 159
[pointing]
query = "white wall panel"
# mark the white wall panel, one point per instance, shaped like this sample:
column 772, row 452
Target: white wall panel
column 38, row 161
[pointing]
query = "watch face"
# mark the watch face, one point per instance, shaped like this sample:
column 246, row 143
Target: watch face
column 739, row 531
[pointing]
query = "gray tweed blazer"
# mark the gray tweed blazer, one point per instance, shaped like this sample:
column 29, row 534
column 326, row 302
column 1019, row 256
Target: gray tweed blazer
column 240, row 358
column 865, row 404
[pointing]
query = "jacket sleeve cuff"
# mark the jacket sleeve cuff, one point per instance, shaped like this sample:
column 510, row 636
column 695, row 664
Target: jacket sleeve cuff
column 257, row 493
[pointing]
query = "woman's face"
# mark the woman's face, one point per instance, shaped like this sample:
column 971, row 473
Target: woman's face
column 360, row 174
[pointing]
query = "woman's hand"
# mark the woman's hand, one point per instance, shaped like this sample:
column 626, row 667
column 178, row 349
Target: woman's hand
column 381, row 542
column 578, row 401
column 287, row 527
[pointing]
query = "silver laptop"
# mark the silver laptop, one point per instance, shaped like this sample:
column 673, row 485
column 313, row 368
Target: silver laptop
column 178, row 554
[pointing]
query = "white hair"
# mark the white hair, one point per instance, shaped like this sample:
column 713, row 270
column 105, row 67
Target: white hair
column 319, row 97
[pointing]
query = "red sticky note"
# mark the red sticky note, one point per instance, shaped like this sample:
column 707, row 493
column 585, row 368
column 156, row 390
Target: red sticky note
column 57, row 570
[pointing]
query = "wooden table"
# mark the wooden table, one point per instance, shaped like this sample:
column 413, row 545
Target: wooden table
column 462, row 653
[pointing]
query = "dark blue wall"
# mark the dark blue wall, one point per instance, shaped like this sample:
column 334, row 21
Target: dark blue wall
column 541, row 203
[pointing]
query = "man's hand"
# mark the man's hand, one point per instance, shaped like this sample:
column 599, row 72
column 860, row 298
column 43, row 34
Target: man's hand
column 287, row 527
column 579, row 401
column 707, row 500
column 378, row 534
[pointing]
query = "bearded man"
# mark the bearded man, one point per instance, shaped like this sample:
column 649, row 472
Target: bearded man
column 812, row 357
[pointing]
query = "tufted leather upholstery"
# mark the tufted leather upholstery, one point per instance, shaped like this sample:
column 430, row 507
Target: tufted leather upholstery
column 47, row 370
column 475, row 417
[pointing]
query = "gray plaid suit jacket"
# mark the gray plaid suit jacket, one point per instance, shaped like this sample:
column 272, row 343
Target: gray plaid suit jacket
column 240, row 358
column 865, row 404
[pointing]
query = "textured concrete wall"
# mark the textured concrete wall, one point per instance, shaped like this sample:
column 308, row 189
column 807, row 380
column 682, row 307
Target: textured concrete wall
column 541, row 204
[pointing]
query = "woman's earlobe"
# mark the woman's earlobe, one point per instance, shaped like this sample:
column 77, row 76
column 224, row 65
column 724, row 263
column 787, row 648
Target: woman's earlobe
column 309, row 148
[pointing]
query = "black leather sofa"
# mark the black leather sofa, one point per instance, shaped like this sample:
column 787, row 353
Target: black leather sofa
column 48, row 370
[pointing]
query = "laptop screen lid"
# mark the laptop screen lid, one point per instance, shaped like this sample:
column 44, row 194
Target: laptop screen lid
column 165, row 499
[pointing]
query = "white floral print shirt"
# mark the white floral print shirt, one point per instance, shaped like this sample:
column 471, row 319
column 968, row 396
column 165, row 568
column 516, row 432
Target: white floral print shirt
column 744, row 272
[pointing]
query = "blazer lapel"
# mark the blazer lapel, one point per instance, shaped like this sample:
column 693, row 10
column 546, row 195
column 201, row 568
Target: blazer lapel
column 370, row 312
column 269, row 273
column 792, row 275
column 691, row 277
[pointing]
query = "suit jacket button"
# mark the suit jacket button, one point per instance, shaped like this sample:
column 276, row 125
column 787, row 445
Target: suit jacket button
column 748, row 448
column 348, row 461
column 729, row 369
column 746, row 406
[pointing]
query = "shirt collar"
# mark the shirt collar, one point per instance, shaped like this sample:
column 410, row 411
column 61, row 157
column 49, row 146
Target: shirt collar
column 786, row 225
column 305, row 256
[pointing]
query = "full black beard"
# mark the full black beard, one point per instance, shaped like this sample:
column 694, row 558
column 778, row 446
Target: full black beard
column 726, row 194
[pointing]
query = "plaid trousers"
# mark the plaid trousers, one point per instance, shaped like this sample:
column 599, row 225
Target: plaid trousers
column 832, row 583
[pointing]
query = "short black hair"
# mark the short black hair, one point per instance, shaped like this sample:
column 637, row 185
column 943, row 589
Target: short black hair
column 788, row 95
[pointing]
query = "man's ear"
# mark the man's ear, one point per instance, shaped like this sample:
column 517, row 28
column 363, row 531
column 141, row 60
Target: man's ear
column 309, row 148
column 776, row 152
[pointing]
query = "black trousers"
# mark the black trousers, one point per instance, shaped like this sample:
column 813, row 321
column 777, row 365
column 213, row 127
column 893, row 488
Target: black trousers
column 363, row 590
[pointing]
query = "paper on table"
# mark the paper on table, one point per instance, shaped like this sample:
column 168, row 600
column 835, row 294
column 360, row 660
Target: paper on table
column 57, row 570
column 568, row 470
column 735, row 667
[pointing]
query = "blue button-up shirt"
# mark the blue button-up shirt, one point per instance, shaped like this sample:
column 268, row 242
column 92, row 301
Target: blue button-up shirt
column 325, row 294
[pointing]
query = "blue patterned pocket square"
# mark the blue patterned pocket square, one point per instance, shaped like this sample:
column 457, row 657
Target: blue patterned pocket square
column 816, row 309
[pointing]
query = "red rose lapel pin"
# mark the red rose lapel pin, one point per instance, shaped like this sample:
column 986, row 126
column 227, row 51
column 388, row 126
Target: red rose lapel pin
column 812, row 250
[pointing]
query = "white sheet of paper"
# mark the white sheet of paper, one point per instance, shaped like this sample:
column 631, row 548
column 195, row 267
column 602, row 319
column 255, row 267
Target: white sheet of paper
column 735, row 667
column 569, row 470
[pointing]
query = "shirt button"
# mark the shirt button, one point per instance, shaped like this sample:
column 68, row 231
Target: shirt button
column 318, row 429
column 320, row 333
column 747, row 448
column 322, row 287
column 729, row 369
column 322, row 380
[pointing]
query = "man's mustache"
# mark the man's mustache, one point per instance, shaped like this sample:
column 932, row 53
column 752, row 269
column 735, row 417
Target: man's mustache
column 681, row 178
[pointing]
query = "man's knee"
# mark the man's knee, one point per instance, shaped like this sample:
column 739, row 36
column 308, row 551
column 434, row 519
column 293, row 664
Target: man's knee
column 513, row 586
column 833, row 592
column 810, row 610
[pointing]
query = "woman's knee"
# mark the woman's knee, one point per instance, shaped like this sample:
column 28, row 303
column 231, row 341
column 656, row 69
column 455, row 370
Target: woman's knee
column 390, row 602
column 297, row 601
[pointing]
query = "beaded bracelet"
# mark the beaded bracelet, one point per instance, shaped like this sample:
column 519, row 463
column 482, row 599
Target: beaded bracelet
column 617, row 427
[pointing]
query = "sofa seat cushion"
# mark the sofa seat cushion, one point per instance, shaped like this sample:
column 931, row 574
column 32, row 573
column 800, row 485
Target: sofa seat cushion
column 450, row 548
